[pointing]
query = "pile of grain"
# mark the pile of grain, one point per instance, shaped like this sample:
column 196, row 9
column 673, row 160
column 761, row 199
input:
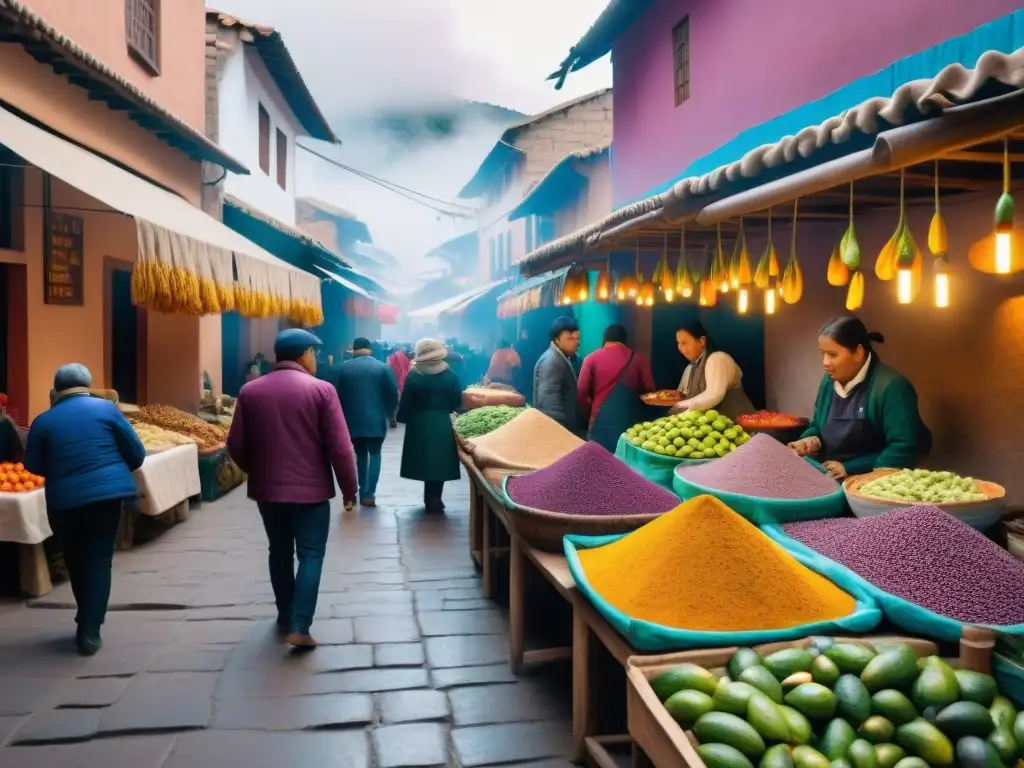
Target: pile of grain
column 927, row 557
column 763, row 468
column 530, row 441
column 590, row 481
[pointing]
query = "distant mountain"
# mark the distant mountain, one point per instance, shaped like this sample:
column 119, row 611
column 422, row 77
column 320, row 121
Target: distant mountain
column 425, row 124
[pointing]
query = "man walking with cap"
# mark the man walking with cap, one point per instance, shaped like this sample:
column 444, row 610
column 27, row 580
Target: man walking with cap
column 369, row 396
column 288, row 433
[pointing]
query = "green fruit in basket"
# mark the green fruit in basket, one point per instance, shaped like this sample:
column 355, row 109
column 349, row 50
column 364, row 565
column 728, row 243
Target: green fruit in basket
column 936, row 686
column 799, row 726
column 912, row 762
column 808, row 757
column 685, row 677
column 850, row 658
column 764, row 681
column 812, row 700
column 686, row 706
column 877, row 729
column 836, row 739
column 861, row 754
column 888, row 755
column 1018, row 731
column 964, row 718
column 784, row 663
column 1004, row 714
column 852, row 699
column 729, row 729
column 841, row 763
column 976, row 686
column 1005, row 745
column 743, row 658
column 779, row 756
column 722, row 756
column 972, row 752
column 733, row 698
column 894, row 706
column 824, row 671
column 922, row 739
column 896, row 667
column 764, row 715
column 797, row 678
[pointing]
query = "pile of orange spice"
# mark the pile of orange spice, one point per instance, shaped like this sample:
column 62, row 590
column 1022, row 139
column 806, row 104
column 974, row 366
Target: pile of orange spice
column 703, row 567
column 14, row 478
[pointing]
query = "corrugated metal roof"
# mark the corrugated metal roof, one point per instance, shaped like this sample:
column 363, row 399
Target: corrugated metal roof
column 911, row 102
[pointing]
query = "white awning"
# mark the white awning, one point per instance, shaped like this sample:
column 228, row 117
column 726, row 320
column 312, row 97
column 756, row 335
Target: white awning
column 346, row 283
column 431, row 313
column 148, row 203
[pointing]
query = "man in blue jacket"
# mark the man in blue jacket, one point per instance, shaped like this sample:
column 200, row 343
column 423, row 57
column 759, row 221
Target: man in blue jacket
column 369, row 396
column 86, row 451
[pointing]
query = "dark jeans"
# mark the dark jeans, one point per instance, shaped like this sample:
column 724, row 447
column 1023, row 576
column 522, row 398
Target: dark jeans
column 88, row 535
column 368, row 464
column 296, row 529
column 432, row 490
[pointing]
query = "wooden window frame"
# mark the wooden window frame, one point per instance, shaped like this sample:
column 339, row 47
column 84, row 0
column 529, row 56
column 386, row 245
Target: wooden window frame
column 264, row 132
column 282, row 158
column 133, row 9
column 681, row 60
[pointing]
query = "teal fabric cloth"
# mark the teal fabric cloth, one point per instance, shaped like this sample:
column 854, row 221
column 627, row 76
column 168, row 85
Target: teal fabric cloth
column 908, row 616
column 655, row 467
column 890, row 407
column 646, row 636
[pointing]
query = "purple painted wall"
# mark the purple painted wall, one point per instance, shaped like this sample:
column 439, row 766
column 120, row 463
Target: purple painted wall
column 750, row 61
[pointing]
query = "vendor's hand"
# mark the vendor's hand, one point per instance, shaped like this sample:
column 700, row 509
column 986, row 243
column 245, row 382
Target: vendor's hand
column 806, row 446
column 680, row 407
column 837, row 470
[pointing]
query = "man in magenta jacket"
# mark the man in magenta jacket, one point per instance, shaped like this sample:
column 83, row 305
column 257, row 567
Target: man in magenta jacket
column 288, row 433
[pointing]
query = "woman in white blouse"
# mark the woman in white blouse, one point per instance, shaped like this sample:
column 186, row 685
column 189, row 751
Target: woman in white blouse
column 712, row 379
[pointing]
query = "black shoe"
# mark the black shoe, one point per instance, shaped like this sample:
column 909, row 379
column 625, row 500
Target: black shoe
column 88, row 642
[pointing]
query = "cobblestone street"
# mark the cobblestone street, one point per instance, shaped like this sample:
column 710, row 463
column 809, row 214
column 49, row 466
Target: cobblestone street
column 412, row 669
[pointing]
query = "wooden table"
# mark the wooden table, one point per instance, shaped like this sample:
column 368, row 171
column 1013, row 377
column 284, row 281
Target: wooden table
column 555, row 570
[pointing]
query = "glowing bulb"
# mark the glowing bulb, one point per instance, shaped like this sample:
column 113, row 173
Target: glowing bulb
column 743, row 301
column 566, row 300
column 724, row 287
column 687, row 293
column 632, row 292
column 703, row 301
column 621, row 295
column 941, row 290
column 649, row 301
column 602, row 294
column 668, row 295
column 735, row 282
column 1004, row 251
column 769, row 302
column 639, row 301
column 583, row 294
column 904, row 283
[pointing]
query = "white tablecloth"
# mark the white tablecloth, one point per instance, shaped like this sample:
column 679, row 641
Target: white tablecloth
column 167, row 478
column 23, row 517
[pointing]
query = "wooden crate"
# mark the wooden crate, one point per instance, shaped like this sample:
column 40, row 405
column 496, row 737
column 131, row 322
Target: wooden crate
column 654, row 731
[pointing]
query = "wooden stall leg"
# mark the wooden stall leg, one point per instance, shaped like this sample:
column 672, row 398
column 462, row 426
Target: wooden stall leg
column 181, row 512
column 34, row 570
column 516, row 613
column 126, row 530
column 475, row 505
column 583, row 715
column 487, row 558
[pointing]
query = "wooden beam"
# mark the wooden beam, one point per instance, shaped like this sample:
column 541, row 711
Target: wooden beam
column 982, row 157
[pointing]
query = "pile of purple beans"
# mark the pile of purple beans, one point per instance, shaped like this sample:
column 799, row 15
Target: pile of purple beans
column 927, row 557
column 590, row 481
column 763, row 468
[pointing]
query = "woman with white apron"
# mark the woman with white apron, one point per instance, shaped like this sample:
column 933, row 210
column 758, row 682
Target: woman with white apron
column 712, row 379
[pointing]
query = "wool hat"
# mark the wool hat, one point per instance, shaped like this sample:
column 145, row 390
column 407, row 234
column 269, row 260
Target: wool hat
column 292, row 342
column 70, row 376
column 430, row 350
column 361, row 342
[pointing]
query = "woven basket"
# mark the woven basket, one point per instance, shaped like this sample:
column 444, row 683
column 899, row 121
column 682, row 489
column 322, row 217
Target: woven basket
column 977, row 514
column 544, row 530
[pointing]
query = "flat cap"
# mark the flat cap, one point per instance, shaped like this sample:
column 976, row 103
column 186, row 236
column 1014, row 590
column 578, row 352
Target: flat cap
column 294, row 341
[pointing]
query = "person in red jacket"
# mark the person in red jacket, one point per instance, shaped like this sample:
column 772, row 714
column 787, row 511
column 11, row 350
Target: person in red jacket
column 611, row 382
column 288, row 434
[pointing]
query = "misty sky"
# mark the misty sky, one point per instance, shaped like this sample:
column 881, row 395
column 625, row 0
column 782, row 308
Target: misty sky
column 362, row 56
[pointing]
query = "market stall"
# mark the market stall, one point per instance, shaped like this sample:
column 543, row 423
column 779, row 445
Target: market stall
column 23, row 522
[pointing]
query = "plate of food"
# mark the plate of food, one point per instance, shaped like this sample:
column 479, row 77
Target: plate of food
column 662, row 397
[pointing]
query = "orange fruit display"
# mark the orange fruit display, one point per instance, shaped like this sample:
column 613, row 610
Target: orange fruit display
column 14, row 478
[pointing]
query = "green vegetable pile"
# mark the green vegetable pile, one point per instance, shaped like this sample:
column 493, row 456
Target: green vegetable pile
column 486, row 419
column 925, row 486
column 843, row 705
column 689, row 435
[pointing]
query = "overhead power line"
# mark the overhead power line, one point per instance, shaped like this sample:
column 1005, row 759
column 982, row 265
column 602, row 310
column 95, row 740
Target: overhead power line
column 455, row 210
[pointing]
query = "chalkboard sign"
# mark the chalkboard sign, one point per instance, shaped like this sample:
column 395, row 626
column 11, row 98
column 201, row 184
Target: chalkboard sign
column 62, row 263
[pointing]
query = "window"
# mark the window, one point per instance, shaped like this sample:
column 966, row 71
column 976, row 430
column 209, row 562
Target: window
column 142, row 32
column 681, row 49
column 264, row 140
column 508, row 250
column 282, row 159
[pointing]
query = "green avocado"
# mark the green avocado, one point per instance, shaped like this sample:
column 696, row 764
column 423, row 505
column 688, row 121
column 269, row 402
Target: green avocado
column 893, row 705
column 786, row 662
column 812, row 700
column 743, row 658
column 722, row 756
column 779, row 756
column 808, row 757
column 851, row 659
column 877, row 729
column 888, row 755
column 767, row 719
column 1004, row 714
column 799, row 726
column 912, row 762
column 852, row 699
column 922, row 739
column 764, row 681
column 729, row 729
column 684, row 677
column 733, row 698
column 1018, row 731
column 896, row 667
column 687, row 705
column 1005, row 744
column 824, row 671
column 976, row 686
column 936, row 686
column 836, row 739
column 964, row 718
column 861, row 754
column 972, row 752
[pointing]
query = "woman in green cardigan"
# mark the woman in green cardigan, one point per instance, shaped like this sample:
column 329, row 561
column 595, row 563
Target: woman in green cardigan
column 865, row 413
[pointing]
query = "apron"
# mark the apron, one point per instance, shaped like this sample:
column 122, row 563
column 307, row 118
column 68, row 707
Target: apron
column 846, row 433
column 734, row 404
column 619, row 411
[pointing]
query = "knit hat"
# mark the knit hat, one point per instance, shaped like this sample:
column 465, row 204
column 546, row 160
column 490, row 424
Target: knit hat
column 292, row 342
column 430, row 351
column 70, row 376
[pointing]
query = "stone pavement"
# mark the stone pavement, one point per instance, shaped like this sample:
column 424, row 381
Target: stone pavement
column 412, row 669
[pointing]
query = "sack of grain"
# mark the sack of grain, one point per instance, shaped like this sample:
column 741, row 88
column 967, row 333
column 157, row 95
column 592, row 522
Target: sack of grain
column 530, row 441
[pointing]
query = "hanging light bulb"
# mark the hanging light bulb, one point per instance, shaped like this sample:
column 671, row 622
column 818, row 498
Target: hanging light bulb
column 583, row 287
column 743, row 301
column 1004, row 253
column 905, row 285
column 602, row 290
column 941, row 283
column 646, row 295
column 769, row 301
column 1005, row 211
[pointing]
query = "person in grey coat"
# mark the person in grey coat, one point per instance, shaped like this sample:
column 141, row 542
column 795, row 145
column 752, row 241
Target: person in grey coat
column 369, row 396
column 554, row 376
